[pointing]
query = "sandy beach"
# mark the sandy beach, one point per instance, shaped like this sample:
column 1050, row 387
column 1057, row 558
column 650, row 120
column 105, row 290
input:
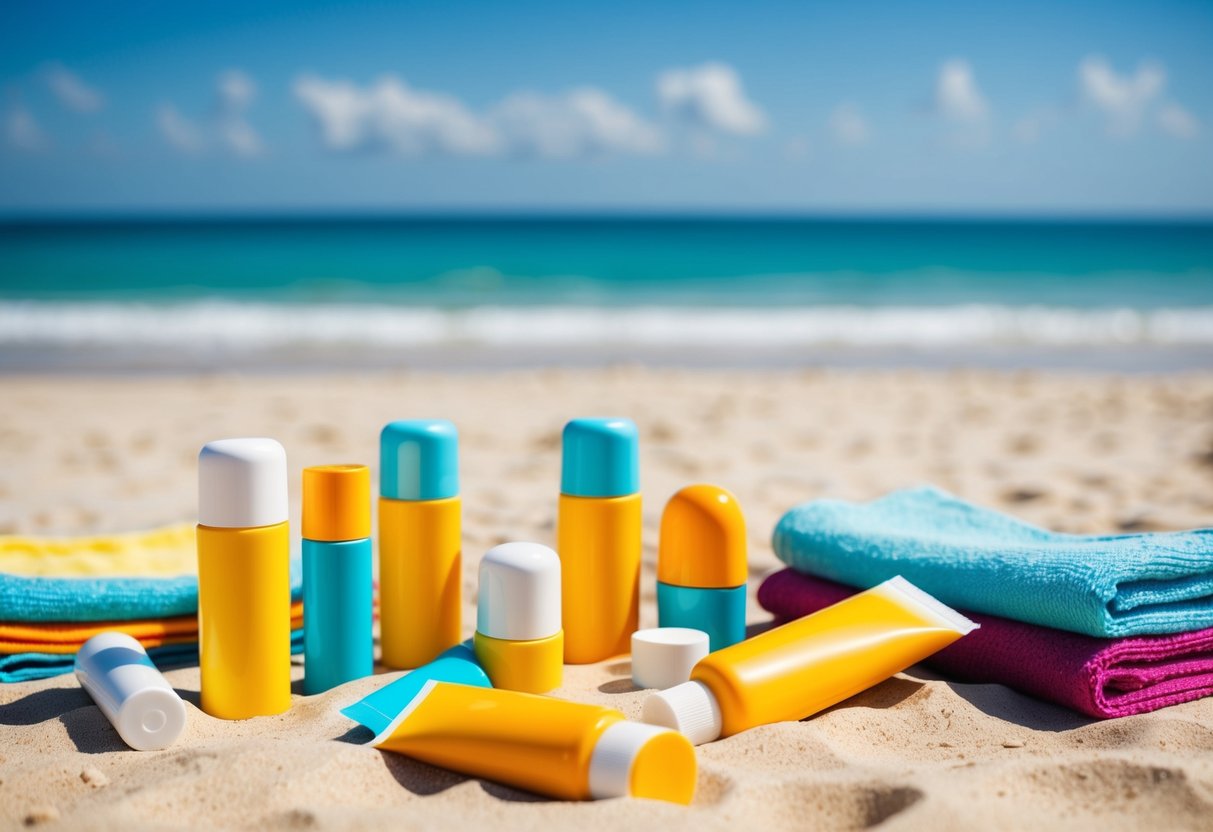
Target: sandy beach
column 1073, row 452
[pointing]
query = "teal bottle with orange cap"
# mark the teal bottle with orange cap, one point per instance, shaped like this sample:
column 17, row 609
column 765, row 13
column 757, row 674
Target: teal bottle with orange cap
column 701, row 564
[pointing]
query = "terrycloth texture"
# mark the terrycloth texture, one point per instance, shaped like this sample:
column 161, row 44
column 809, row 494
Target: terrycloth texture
column 163, row 552
column 1102, row 678
column 68, row 637
column 24, row 667
column 126, row 577
column 980, row 560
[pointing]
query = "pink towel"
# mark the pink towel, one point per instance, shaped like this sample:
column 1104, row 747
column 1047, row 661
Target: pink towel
column 1100, row 677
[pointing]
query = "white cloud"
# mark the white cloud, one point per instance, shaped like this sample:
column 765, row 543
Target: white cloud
column 956, row 94
column 1177, row 121
column 390, row 114
column 22, row 130
column 236, row 91
column 848, row 126
column 71, row 90
column 179, row 131
column 1123, row 99
column 710, row 96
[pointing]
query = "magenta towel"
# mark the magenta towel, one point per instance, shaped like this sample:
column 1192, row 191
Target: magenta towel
column 1100, row 677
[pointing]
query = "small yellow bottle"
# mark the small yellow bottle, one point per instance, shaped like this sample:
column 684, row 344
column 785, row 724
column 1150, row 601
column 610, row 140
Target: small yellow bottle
column 598, row 538
column 420, row 551
column 244, row 581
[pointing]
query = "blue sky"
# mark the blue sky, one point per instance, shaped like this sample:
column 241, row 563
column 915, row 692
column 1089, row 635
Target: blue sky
column 886, row 107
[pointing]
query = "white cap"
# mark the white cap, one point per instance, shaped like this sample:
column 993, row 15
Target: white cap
column 663, row 656
column 690, row 708
column 143, row 707
column 613, row 755
column 519, row 592
column 242, row 484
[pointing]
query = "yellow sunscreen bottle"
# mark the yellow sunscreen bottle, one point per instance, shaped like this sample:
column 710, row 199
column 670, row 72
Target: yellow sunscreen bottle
column 598, row 538
column 420, row 555
column 565, row 750
column 809, row 664
column 244, row 579
column 518, row 639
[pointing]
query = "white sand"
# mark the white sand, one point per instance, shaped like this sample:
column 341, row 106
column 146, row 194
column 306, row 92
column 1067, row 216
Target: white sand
column 1077, row 453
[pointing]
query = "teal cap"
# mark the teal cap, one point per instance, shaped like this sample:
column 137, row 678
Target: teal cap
column 419, row 460
column 601, row 458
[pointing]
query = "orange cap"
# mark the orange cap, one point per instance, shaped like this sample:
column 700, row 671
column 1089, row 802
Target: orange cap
column 336, row 502
column 702, row 539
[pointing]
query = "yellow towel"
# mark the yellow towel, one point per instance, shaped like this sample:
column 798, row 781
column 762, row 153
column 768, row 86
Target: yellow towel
column 163, row 552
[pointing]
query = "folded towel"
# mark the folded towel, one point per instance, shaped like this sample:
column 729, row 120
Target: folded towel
column 1102, row 678
column 68, row 637
column 25, row 667
column 977, row 559
column 128, row 577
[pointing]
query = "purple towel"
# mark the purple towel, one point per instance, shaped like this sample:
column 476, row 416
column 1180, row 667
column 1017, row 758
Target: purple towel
column 1100, row 677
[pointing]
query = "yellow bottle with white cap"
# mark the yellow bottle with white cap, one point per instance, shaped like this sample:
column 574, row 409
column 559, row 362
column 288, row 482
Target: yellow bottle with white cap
column 244, row 579
column 518, row 639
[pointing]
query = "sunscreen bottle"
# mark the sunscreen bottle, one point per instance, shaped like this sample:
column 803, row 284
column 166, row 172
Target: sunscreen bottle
column 701, row 564
column 140, row 703
column 809, row 664
column 338, row 645
column 244, row 579
column 598, row 538
column 518, row 639
column 420, row 556
column 561, row 749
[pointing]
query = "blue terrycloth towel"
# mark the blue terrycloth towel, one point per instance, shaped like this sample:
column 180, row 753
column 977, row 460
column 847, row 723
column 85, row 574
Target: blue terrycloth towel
column 29, row 599
column 978, row 559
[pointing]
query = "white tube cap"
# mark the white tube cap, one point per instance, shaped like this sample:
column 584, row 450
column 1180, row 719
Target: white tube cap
column 663, row 656
column 613, row 755
column 519, row 592
column 134, row 696
column 242, row 484
column 690, row 709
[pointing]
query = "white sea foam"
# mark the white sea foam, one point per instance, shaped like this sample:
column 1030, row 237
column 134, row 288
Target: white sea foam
column 230, row 326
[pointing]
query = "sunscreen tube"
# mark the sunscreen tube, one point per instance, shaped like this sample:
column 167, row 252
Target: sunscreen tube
column 338, row 645
column 809, row 664
column 420, row 554
column 701, row 564
column 244, row 579
column 518, row 640
column 561, row 749
column 598, row 538
column 143, row 707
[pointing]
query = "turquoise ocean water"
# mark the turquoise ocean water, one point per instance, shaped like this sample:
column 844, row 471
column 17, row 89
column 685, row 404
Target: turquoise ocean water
column 391, row 291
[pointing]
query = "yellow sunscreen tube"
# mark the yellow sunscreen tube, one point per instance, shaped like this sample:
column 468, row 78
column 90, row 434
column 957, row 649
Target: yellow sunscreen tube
column 809, row 664
column 565, row 750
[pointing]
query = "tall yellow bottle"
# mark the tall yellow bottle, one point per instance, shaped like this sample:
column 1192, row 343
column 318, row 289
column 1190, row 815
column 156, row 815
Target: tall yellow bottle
column 244, row 581
column 420, row 551
column 598, row 538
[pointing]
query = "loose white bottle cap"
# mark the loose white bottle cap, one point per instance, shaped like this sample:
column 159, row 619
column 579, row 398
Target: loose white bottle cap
column 663, row 656
column 143, row 707
column 690, row 708
column 613, row 755
column 242, row 483
column 519, row 592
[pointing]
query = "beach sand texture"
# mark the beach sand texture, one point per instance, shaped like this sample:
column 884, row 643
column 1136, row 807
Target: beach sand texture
column 1073, row 452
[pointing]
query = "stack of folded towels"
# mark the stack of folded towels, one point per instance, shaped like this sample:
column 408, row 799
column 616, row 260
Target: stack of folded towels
column 55, row 594
column 1106, row 625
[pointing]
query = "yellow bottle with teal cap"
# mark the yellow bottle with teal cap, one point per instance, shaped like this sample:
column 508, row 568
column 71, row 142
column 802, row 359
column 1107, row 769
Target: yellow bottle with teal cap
column 420, row 554
column 701, row 564
column 598, row 538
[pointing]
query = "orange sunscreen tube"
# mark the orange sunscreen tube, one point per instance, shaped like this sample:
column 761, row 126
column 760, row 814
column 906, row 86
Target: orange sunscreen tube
column 809, row 664
column 561, row 749
column 244, row 579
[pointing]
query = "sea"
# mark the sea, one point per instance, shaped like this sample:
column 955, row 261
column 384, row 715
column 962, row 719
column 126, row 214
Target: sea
column 304, row 293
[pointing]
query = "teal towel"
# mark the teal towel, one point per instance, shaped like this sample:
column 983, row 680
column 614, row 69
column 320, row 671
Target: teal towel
column 25, row 667
column 29, row 599
column 981, row 560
